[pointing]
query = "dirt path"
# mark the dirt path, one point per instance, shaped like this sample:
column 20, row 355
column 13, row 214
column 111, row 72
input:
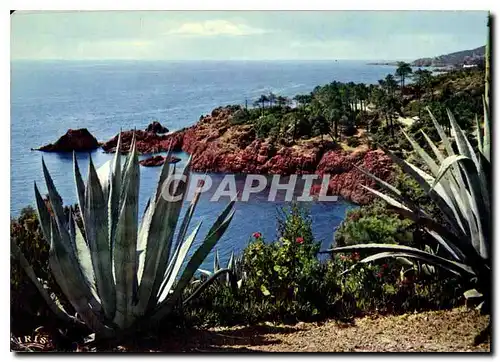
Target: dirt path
column 439, row 331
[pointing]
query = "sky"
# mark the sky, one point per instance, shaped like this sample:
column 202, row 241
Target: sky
column 243, row 35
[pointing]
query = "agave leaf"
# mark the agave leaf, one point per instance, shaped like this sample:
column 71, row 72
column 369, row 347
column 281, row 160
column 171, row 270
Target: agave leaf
column 404, row 261
column 142, row 237
column 67, row 277
column 104, row 176
column 196, row 259
column 442, row 134
column 188, row 216
column 55, row 201
column 460, row 244
column 391, row 201
column 433, row 166
column 95, row 219
column 460, row 196
column 231, row 263
column 216, row 261
column 388, row 254
column 57, row 308
column 472, row 293
column 177, row 262
column 212, row 279
column 479, row 135
column 463, row 144
column 450, row 247
column 449, row 184
column 80, row 186
column 478, row 221
column 206, row 272
column 486, row 148
column 114, row 192
column 440, row 197
column 159, row 240
column 165, row 172
column 43, row 214
column 125, row 246
column 436, row 150
column 83, row 255
column 430, row 258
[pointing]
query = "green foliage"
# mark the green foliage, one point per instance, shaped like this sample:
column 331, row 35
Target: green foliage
column 285, row 282
column 373, row 223
column 27, row 307
column 459, row 184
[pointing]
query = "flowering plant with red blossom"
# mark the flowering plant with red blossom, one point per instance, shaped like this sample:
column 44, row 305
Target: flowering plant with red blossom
column 300, row 240
column 257, row 235
column 355, row 256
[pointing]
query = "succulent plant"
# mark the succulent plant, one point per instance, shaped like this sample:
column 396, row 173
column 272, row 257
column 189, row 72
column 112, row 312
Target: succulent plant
column 233, row 269
column 460, row 185
column 119, row 275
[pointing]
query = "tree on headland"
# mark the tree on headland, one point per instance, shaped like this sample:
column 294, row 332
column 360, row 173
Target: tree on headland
column 402, row 71
column 422, row 82
column 282, row 101
column 271, row 99
column 262, row 101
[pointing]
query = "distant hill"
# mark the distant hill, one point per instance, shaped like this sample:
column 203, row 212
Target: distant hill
column 473, row 56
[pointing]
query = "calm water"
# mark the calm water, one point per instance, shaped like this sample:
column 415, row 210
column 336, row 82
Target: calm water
column 48, row 98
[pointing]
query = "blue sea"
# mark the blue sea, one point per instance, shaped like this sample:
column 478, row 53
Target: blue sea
column 48, row 98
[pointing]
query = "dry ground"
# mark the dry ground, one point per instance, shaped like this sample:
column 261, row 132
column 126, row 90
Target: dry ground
column 437, row 331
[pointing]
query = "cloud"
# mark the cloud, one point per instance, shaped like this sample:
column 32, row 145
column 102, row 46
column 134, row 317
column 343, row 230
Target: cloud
column 215, row 28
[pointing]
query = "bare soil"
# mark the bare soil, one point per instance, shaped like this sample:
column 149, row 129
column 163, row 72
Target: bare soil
column 436, row 331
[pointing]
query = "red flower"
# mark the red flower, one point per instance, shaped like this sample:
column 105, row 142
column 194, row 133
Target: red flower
column 257, row 235
column 380, row 275
column 355, row 256
column 299, row 240
column 385, row 266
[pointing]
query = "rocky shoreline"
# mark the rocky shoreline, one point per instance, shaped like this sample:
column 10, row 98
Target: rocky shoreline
column 217, row 145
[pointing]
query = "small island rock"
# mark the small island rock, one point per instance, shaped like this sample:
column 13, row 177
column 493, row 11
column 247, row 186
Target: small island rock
column 156, row 127
column 158, row 161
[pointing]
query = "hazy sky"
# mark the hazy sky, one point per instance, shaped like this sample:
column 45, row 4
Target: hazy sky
column 250, row 35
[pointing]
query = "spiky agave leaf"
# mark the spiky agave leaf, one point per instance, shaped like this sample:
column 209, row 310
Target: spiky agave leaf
column 214, row 234
column 156, row 235
column 95, row 221
column 395, row 250
column 125, row 243
column 137, row 266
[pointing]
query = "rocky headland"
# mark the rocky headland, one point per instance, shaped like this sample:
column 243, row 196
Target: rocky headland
column 217, row 145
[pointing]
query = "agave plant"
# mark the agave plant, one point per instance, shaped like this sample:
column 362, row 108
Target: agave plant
column 459, row 184
column 116, row 274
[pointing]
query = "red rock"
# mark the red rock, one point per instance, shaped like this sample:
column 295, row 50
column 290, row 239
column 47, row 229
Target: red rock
column 74, row 140
column 147, row 142
column 156, row 127
column 216, row 145
column 158, row 161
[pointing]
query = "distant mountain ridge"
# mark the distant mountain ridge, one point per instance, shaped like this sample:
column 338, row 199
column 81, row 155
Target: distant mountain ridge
column 473, row 56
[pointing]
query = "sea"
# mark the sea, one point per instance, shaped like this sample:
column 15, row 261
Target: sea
column 50, row 97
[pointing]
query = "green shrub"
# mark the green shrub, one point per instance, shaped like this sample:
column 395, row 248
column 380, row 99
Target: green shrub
column 27, row 307
column 241, row 116
column 373, row 223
